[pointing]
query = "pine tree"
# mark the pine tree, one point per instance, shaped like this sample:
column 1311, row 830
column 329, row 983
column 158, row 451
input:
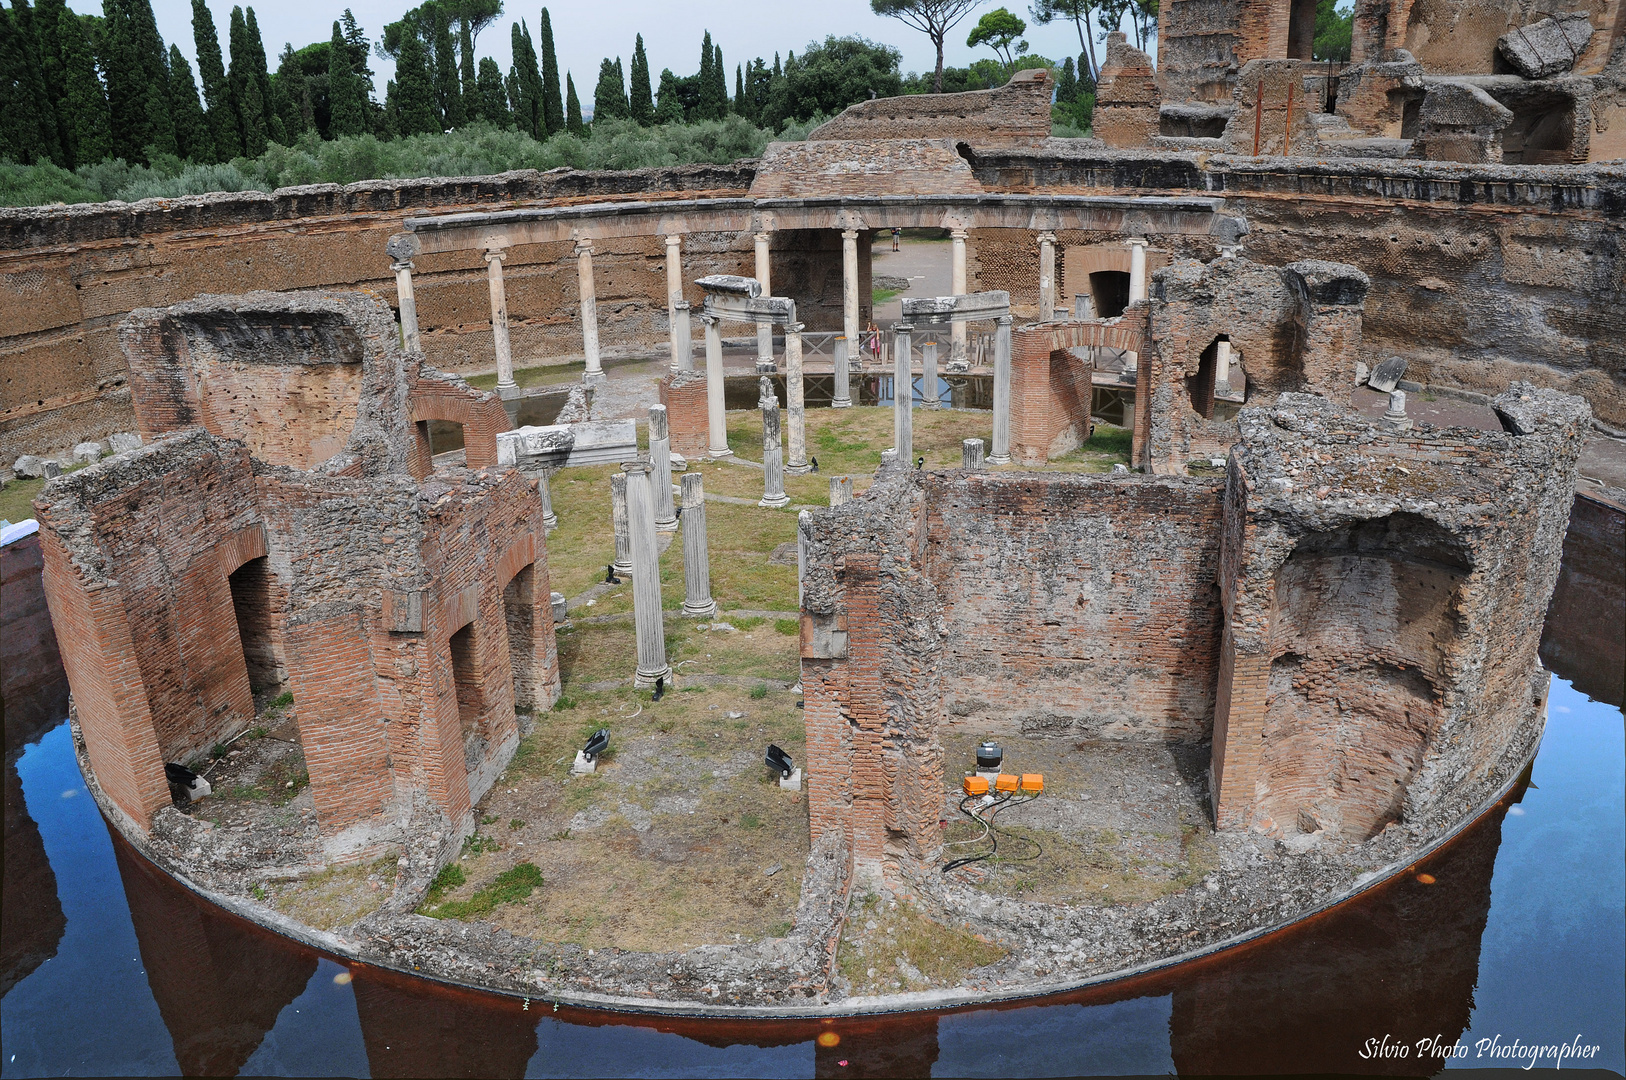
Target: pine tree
column 448, row 94
column 357, row 42
column 641, row 101
column 346, row 114
column 245, row 87
column 224, row 131
column 259, row 66
column 708, row 107
column 465, row 67
column 414, row 88
column 670, row 107
column 608, row 96
column 191, row 128
column 493, row 97
column 573, row 109
column 553, row 106
column 83, row 103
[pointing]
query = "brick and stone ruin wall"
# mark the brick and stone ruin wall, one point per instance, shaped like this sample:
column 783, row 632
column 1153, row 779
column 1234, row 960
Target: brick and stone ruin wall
column 1349, row 620
column 282, row 530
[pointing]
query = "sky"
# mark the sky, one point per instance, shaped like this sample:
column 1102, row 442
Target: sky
column 585, row 33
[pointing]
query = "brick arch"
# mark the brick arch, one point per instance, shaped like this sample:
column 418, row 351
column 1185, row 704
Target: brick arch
column 481, row 415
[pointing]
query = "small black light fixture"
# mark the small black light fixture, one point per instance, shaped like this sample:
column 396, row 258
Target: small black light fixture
column 597, row 743
column 989, row 756
column 779, row 762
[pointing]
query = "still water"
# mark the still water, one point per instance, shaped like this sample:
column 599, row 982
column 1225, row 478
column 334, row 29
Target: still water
column 109, row 967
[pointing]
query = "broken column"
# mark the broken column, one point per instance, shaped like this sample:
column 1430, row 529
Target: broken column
column 682, row 341
column 660, row 457
column 795, row 402
column 697, row 601
column 408, row 303
column 773, row 458
column 499, row 323
column 841, row 490
column 928, row 375
column 971, row 453
column 646, row 578
column 764, row 329
column 842, row 397
column 619, row 522
column 589, row 309
column 903, row 393
column 1002, row 393
column 849, row 283
column 1047, row 276
column 550, row 520
column 1222, row 367
column 1395, row 419
column 716, row 418
column 674, row 297
column 958, row 360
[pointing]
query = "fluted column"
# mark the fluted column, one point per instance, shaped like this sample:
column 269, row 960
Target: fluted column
column 764, row 330
column 842, row 397
column 971, row 454
column 674, row 292
column 408, row 302
column 841, row 490
column 903, row 435
column 849, row 283
column 795, row 403
column 1047, row 276
column 958, row 361
column 646, row 578
column 1137, row 268
column 619, row 522
column 589, row 306
column 716, row 418
column 1002, row 393
column 550, row 520
column 682, row 339
column 773, row 457
column 928, row 374
column 660, row 459
column 499, row 321
column 697, row 601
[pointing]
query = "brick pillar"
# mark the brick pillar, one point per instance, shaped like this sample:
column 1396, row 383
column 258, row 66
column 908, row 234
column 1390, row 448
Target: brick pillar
column 866, row 709
column 684, row 395
column 1030, row 396
column 1239, row 726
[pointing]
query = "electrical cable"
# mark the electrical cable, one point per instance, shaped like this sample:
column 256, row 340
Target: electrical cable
column 992, row 810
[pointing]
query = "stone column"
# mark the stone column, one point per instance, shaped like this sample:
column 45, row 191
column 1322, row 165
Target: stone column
column 795, row 403
column 550, row 520
column 408, row 302
column 958, row 360
column 842, row 398
column 660, row 458
column 697, row 601
column 1137, row 268
column 499, row 323
column 584, row 279
column 682, row 339
column 1002, row 393
column 971, row 453
column 716, row 419
column 804, row 521
column 773, row 458
column 1222, row 367
column 1047, row 276
column 928, row 375
column 764, row 330
column 646, row 579
column 849, row 283
column 674, row 291
column 903, row 393
column 619, row 522
column 841, row 490
column 1395, row 418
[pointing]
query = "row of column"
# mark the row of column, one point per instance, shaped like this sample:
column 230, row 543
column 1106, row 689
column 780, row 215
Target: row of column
column 903, row 392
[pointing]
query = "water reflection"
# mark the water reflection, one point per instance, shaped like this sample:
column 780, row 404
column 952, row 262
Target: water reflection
column 953, row 391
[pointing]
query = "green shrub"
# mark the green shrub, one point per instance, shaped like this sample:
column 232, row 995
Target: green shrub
column 788, row 627
column 759, row 691
column 510, row 887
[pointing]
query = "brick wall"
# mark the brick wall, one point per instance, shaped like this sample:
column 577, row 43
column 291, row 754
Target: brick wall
column 684, row 395
column 1017, row 113
column 1050, row 398
column 31, row 681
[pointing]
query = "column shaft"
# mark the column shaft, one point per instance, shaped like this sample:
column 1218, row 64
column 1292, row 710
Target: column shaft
column 957, row 353
column 1137, row 269
column 764, row 330
column 841, row 490
column 660, row 458
column 773, row 456
column 716, row 418
column 928, row 375
column 903, row 393
column 795, row 403
column 550, row 520
column 971, row 453
column 1047, row 276
column 849, row 284
column 1222, row 367
column 842, row 398
column 682, row 339
column 697, row 601
column 1002, row 393
column 589, row 306
column 408, row 302
column 499, row 321
column 646, row 579
column 619, row 522
column 674, row 293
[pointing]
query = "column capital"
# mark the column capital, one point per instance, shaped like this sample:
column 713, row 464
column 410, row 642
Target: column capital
column 849, row 234
column 403, row 264
column 959, row 233
column 795, row 327
column 681, row 305
column 1047, row 237
column 495, row 254
column 674, row 239
column 1004, row 320
column 762, row 236
column 708, row 320
column 640, row 467
column 584, row 246
column 903, row 328
column 1136, row 241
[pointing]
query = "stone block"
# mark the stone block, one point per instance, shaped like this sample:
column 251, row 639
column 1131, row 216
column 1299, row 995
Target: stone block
column 1126, row 105
column 51, row 469
column 29, row 466
column 1549, row 47
column 122, row 441
column 592, row 442
column 1387, row 375
column 87, row 453
column 1460, row 122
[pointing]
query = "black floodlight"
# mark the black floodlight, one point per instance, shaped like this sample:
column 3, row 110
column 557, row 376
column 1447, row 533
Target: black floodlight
column 779, row 762
column 989, row 755
column 596, row 744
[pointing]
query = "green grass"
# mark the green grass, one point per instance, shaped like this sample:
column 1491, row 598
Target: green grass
column 881, row 296
column 788, row 627
column 448, row 879
column 510, row 887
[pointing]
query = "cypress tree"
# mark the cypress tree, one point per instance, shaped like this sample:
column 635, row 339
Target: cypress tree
column 641, row 104
column 84, row 103
column 708, row 107
column 465, row 67
column 356, row 41
column 622, row 103
column 528, row 103
column 126, row 84
column 607, row 95
column 245, row 87
column 670, row 107
column 553, row 106
column 719, row 74
column 258, row 65
column 448, row 94
column 19, row 122
column 47, row 31
column 389, row 126
column 739, row 90
column 346, row 114
column 573, row 109
column 292, row 112
column 514, row 93
column 493, row 98
column 191, row 128
column 1066, row 83
column 154, row 57
column 40, row 108
column 414, row 89
column 224, row 136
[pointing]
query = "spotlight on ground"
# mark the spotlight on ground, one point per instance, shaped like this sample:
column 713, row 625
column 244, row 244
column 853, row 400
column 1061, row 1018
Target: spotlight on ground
column 587, row 757
column 790, row 777
column 184, row 783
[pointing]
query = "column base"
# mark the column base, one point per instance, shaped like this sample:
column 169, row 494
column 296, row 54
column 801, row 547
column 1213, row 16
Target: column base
column 767, row 367
column 776, row 502
column 798, row 467
column 957, row 367
column 842, row 403
column 645, row 680
column 594, row 376
column 999, row 459
column 666, row 526
column 626, row 570
column 716, row 453
column 509, row 392
column 704, row 611
column 550, row 521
